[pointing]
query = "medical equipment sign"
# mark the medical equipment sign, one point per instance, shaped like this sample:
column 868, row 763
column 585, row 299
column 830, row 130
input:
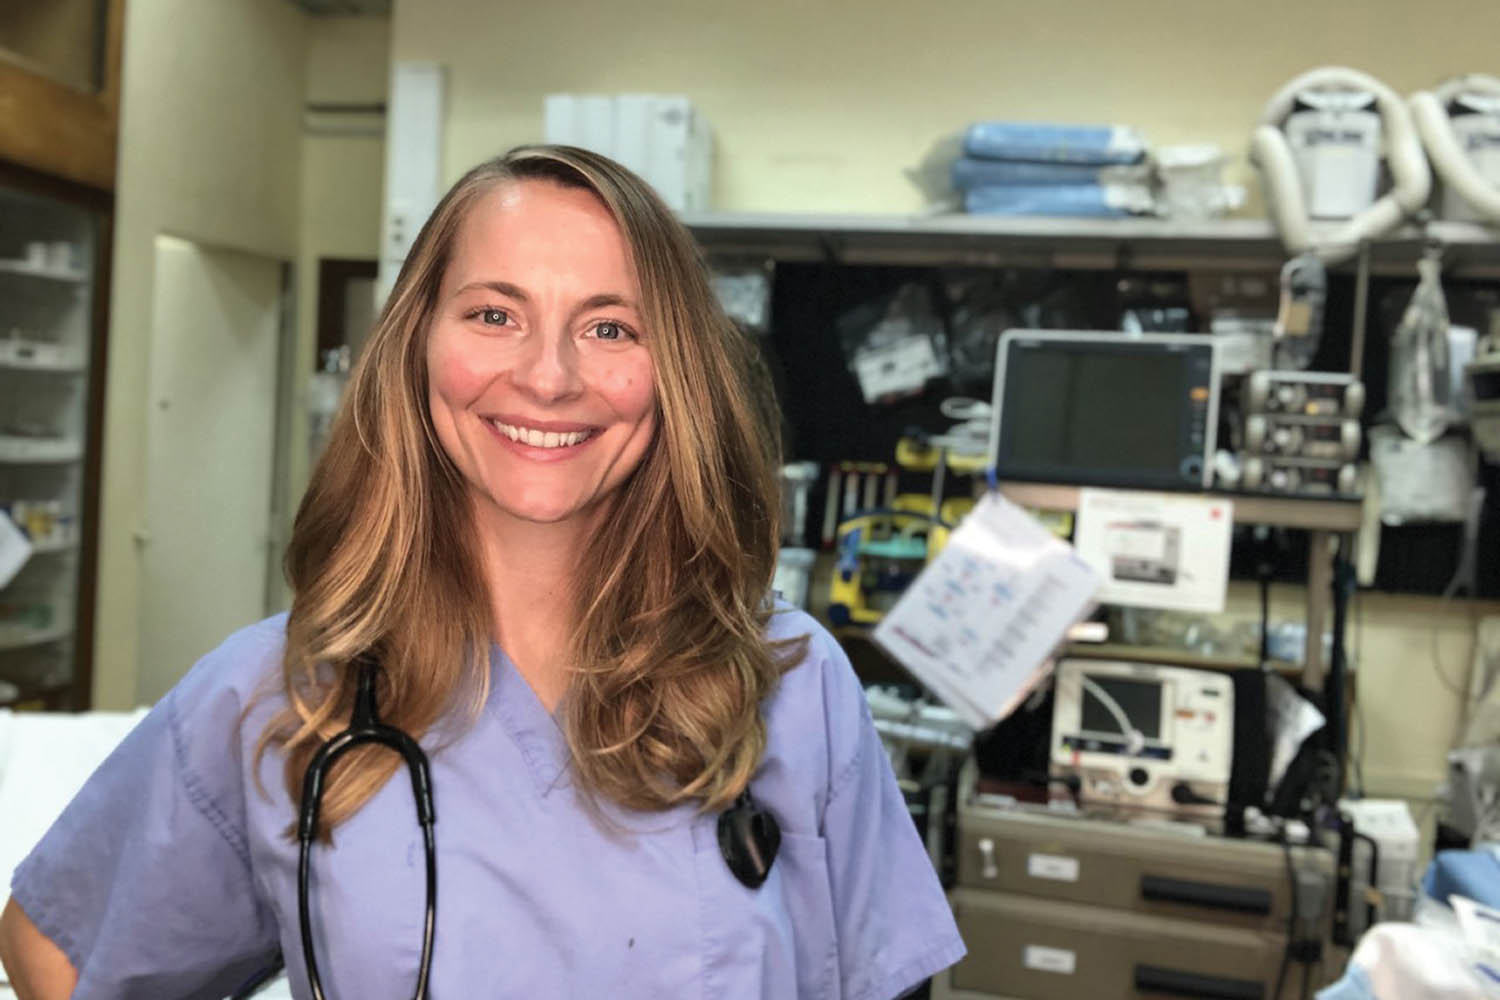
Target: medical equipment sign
column 1156, row 550
column 979, row 623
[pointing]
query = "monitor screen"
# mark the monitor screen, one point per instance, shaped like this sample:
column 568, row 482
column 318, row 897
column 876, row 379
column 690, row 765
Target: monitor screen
column 1139, row 700
column 1093, row 408
column 1105, row 408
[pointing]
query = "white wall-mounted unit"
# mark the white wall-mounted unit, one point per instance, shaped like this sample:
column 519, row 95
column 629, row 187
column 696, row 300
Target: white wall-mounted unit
column 413, row 163
column 661, row 137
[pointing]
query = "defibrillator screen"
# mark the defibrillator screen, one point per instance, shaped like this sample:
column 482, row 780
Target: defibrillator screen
column 1139, row 700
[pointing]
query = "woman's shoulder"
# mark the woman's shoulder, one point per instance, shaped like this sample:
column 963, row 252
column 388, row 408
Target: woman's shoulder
column 816, row 719
column 820, row 674
column 222, row 703
column 243, row 666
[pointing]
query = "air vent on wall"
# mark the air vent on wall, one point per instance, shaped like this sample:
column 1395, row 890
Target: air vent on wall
column 345, row 8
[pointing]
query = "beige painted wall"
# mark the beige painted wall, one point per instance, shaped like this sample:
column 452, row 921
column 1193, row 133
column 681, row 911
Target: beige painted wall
column 209, row 151
column 819, row 106
column 341, row 179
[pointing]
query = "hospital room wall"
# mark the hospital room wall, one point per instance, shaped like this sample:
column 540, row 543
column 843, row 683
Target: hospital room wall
column 209, row 146
column 348, row 63
column 213, row 150
column 820, row 107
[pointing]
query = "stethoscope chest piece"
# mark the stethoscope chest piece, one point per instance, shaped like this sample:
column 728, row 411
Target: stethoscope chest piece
column 749, row 838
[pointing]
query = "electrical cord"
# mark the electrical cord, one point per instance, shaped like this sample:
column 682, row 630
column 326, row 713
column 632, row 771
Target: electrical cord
column 1358, row 702
column 1371, row 877
column 1292, row 917
column 1265, row 619
column 1437, row 661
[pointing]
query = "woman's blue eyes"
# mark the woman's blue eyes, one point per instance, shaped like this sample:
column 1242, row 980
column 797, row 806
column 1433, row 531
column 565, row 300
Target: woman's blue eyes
column 603, row 330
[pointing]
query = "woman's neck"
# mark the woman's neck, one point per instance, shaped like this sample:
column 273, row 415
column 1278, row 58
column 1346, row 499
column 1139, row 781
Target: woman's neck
column 529, row 569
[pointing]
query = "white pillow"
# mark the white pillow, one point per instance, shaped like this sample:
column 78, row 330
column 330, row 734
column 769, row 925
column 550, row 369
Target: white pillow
column 44, row 760
column 5, row 715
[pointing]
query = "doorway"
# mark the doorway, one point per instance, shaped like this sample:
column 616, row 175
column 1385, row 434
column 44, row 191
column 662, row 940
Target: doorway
column 210, row 453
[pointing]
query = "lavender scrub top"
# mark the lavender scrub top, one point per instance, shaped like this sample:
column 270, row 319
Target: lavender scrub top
column 169, row 876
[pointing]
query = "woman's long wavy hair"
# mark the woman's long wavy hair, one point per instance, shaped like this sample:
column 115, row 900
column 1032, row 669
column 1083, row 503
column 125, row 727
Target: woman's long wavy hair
column 669, row 657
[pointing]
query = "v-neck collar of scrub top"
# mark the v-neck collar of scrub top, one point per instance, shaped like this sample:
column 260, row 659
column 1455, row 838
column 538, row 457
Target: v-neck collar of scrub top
column 537, row 733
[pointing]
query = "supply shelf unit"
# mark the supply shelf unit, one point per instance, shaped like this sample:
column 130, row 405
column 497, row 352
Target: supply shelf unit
column 1249, row 246
column 51, row 331
column 1139, row 244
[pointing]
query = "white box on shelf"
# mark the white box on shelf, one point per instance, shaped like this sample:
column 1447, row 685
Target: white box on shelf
column 413, row 162
column 583, row 120
column 632, row 131
column 680, row 154
column 1389, row 823
column 661, row 137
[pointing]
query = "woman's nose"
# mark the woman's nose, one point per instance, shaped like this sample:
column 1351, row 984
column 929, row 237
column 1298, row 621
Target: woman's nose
column 548, row 368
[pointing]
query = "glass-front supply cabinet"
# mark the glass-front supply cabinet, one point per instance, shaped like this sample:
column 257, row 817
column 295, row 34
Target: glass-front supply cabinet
column 47, row 258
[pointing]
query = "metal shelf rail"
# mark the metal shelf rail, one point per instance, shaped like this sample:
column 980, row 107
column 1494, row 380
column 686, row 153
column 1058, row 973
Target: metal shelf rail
column 1322, row 519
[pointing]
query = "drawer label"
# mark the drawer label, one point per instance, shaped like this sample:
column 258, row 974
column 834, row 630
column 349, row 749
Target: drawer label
column 1050, row 960
column 1052, row 866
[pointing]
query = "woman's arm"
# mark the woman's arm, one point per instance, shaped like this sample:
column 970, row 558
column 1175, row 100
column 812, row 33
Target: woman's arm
column 37, row 968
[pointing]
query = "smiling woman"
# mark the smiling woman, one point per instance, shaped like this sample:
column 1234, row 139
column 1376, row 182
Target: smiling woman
column 540, row 541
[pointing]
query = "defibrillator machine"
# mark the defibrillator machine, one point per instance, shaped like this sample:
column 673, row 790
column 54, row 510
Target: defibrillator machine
column 1143, row 735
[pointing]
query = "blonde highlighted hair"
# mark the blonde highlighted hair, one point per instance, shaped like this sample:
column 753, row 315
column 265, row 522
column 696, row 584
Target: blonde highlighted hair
column 669, row 657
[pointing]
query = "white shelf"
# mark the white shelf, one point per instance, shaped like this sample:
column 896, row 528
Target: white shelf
column 1308, row 513
column 960, row 239
column 26, row 450
column 49, row 548
column 18, row 638
column 30, row 270
column 64, row 367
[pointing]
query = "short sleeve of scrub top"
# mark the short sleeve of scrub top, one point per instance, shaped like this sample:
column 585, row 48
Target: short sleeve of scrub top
column 170, row 874
column 145, row 880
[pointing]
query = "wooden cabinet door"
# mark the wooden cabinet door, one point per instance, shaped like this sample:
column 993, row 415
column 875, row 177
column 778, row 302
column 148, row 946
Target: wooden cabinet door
column 60, row 87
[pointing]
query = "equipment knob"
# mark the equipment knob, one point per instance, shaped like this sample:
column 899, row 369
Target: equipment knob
column 987, row 866
column 1140, row 777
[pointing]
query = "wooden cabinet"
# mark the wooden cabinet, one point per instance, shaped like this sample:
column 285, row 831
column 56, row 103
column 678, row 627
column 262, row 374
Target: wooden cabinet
column 60, row 87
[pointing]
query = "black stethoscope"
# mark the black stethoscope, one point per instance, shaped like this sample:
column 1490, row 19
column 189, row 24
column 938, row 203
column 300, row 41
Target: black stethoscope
column 749, row 836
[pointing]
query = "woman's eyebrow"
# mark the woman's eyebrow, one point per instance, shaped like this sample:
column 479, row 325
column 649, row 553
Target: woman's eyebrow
column 604, row 300
column 503, row 287
column 601, row 300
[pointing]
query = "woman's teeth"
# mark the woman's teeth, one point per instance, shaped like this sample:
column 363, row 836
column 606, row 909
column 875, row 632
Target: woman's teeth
column 541, row 439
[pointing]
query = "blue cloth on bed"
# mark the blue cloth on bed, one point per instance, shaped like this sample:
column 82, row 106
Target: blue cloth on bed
column 1474, row 874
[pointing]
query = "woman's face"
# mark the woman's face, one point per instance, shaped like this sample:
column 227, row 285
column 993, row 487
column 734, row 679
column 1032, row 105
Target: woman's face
column 539, row 380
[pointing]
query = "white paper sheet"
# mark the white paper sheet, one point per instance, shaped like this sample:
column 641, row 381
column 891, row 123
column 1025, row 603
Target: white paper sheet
column 1156, row 550
column 978, row 625
column 15, row 549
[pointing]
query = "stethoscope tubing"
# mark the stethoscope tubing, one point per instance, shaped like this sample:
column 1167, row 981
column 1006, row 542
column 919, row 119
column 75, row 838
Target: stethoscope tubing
column 365, row 727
